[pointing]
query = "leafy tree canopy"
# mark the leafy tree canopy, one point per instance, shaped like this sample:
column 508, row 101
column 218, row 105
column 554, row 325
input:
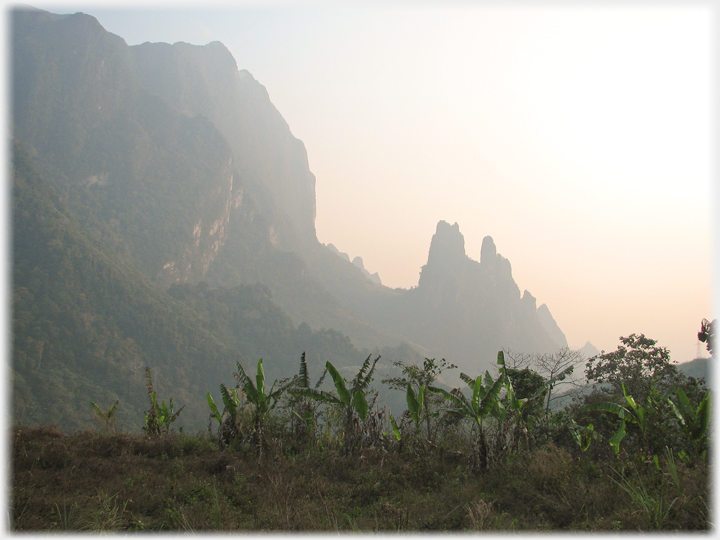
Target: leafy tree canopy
column 638, row 362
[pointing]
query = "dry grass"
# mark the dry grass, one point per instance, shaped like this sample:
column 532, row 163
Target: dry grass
column 121, row 482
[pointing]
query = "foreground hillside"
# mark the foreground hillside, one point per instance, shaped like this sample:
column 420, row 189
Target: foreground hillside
column 120, row 482
column 633, row 455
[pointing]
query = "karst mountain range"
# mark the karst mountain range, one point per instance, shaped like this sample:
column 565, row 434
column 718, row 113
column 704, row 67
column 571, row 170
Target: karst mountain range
column 164, row 216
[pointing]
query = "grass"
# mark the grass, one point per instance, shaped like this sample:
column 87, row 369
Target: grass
column 94, row 481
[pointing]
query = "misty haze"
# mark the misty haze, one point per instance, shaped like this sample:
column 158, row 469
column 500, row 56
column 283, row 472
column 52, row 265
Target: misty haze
column 217, row 325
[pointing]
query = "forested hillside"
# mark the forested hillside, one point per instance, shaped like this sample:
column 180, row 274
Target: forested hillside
column 163, row 216
column 86, row 324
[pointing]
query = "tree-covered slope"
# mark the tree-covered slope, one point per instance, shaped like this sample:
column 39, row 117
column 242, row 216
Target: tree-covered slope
column 86, row 324
column 159, row 166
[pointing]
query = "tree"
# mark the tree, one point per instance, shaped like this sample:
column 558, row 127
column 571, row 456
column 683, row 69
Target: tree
column 484, row 402
column 638, row 363
column 414, row 378
column 645, row 417
column 557, row 367
column 707, row 334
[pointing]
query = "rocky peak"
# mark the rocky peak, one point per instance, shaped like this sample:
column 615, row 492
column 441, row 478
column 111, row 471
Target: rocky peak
column 551, row 327
column 528, row 300
column 447, row 247
column 488, row 252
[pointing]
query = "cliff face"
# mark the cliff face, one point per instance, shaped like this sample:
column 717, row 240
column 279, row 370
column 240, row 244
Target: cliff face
column 151, row 183
column 272, row 163
column 177, row 161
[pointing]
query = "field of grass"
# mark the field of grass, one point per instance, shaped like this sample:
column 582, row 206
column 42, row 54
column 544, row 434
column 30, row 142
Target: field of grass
column 98, row 481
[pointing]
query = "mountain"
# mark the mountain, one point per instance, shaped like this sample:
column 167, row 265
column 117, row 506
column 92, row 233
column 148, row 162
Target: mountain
column 465, row 310
column 589, row 350
column 700, row 367
column 179, row 216
column 86, row 323
column 357, row 261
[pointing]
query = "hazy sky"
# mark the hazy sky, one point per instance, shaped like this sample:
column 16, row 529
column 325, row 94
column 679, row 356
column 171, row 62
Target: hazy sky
column 580, row 138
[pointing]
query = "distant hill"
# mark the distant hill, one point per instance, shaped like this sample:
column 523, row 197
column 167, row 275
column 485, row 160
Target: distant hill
column 165, row 216
column 700, row 367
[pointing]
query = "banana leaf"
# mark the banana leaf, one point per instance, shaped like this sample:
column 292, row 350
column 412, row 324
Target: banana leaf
column 396, row 429
column 246, row 383
column 260, row 378
column 490, row 399
column 618, row 436
column 413, row 406
column 467, row 380
column 230, row 399
column 317, row 395
column 460, row 401
column 342, row 391
column 360, row 404
column 609, row 406
column 213, row 408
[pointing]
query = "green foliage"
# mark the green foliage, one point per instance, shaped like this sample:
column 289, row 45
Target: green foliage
column 483, row 402
column 694, row 421
column 642, row 417
column 414, row 380
column 352, row 401
column 637, row 363
column 415, row 404
column 159, row 416
column 261, row 401
column 106, row 418
column 583, row 436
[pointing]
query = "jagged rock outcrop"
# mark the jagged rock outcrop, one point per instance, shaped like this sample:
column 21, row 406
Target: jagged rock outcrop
column 465, row 310
column 375, row 277
column 180, row 163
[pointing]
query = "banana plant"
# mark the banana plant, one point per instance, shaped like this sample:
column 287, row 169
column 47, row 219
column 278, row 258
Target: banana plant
column 353, row 400
column 694, row 422
column 106, row 418
column 231, row 401
column 261, row 401
column 415, row 404
column 483, row 403
column 232, row 419
column 303, row 410
column 632, row 412
column 523, row 407
column 158, row 417
column 583, row 436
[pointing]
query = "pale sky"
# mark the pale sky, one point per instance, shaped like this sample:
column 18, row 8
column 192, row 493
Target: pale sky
column 579, row 136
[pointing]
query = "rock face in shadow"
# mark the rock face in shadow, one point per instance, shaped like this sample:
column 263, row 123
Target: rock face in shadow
column 177, row 162
column 205, row 80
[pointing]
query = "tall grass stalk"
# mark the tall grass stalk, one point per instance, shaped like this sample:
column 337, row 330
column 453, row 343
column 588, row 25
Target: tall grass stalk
column 654, row 510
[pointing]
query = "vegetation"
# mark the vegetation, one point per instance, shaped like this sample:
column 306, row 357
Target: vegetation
column 116, row 194
column 354, row 470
